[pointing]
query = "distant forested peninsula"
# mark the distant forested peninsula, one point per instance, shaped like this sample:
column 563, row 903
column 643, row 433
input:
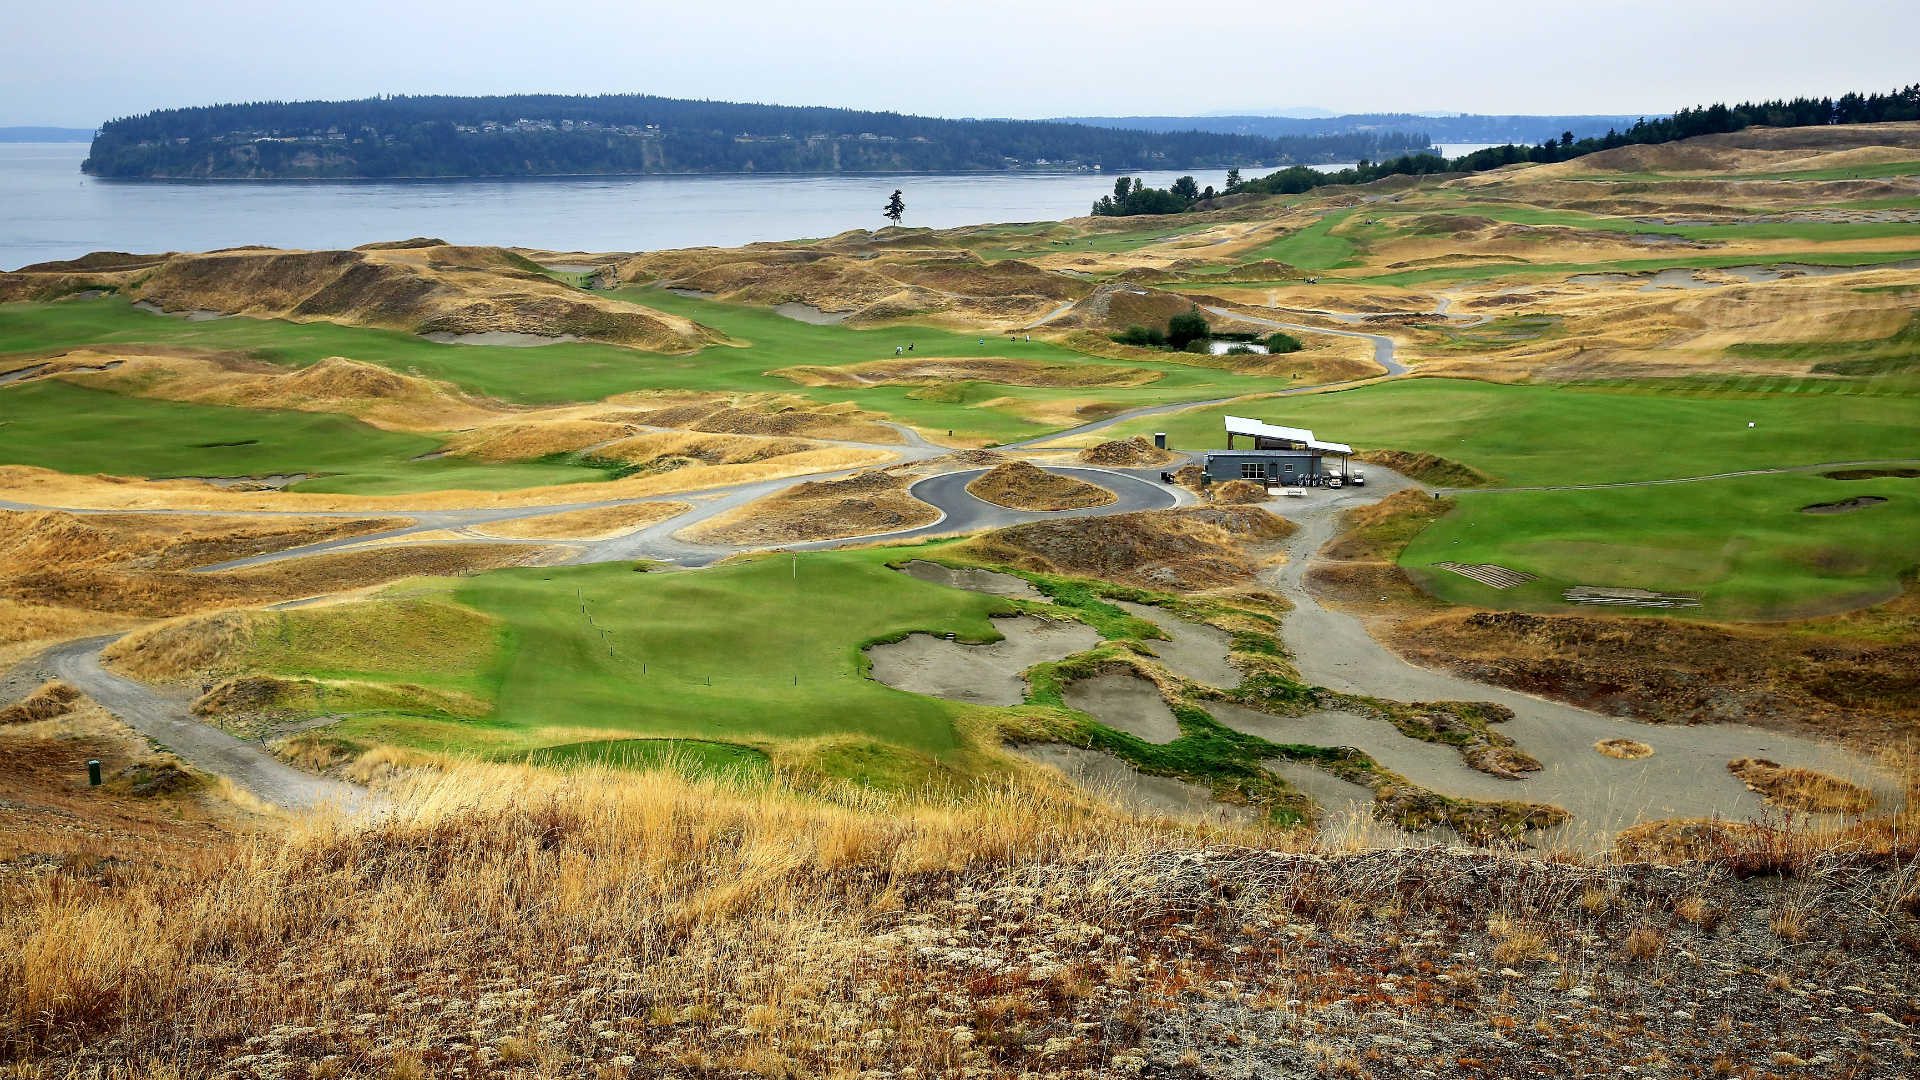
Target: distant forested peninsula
column 556, row 135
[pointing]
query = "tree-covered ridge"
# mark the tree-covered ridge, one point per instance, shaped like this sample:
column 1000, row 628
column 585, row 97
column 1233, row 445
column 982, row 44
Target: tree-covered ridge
column 551, row 134
column 1898, row 105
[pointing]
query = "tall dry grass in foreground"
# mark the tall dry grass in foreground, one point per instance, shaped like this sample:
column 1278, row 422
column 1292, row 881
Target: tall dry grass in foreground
column 504, row 921
column 560, row 913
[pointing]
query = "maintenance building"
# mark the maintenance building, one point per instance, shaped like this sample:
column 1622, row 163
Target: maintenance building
column 1278, row 455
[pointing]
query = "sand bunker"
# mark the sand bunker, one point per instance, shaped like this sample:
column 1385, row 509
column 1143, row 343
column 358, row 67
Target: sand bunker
column 1125, row 703
column 1844, row 506
column 1114, row 779
column 1193, row 650
column 972, row 579
column 1020, row 485
column 986, row 674
column 1899, row 473
column 809, row 314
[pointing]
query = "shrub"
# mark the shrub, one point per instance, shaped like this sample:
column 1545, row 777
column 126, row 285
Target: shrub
column 1281, row 342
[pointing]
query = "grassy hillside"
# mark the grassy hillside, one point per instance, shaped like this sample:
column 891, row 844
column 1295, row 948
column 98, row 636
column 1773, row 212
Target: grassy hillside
column 1742, row 545
column 1531, row 435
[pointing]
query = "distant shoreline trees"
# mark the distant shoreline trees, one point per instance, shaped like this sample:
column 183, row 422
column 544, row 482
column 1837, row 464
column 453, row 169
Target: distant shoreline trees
column 557, row 135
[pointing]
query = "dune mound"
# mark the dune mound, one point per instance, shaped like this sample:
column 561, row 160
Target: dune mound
column 1134, row 453
column 410, row 287
column 656, row 451
column 864, row 504
column 531, row 440
column 1020, row 485
column 1429, row 469
column 779, row 416
column 594, row 523
column 1188, row 548
column 1795, row 788
column 1238, row 493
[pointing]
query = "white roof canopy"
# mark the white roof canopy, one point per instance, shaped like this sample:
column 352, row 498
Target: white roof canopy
column 1246, row 425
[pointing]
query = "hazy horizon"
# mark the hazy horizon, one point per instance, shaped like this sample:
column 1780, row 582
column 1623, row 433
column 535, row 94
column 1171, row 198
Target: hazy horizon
column 994, row 58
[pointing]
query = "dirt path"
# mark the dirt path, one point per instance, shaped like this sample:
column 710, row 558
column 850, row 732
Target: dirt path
column 1686, row 776
column 165, row 718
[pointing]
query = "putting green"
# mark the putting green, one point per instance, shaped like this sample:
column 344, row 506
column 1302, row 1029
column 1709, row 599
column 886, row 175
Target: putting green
column 755, row 654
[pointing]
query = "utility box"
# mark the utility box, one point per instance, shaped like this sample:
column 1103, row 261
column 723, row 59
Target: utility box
column 1160, row 440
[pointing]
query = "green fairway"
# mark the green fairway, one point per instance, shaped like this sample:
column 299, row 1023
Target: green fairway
column 71, row 429
column 1527, row 435
column 753, row 654
column 1400, row 222
column 1315, row 247
column 778, row 341
column 1490, row 272
column 1742, row 545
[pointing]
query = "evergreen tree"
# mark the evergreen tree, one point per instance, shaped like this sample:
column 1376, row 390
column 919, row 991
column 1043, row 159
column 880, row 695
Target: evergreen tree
column 896, row 207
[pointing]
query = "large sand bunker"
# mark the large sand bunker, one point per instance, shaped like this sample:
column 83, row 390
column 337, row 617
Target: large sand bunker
column 988, row 674
column 1113, row 779
column 1191, row 650
column 1125, row 702
column 972, row 579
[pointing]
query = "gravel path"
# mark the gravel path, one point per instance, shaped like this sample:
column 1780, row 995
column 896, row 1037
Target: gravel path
column 164, row 717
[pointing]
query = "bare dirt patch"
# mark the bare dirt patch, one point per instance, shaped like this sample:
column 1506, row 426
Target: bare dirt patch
column 1795, row 788
column 980, row 674
column 1021, row 485
column 865, row 504
column 1902, row 473
column 1844, row 506
column 595, row 524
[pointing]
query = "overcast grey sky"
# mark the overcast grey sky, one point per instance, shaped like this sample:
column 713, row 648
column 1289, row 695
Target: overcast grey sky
column 77, row 64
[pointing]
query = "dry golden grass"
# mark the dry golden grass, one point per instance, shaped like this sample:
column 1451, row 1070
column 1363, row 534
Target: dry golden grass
column 382, row 398
column 1795, row 788
column 706, row 894
column 1021, row 485
column 528, row 439
column 860, row 505
column 593, row 524
column 1623, row 748
column 784, row 415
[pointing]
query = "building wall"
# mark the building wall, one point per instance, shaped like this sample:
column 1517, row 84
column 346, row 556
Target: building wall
column 1222, row 465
